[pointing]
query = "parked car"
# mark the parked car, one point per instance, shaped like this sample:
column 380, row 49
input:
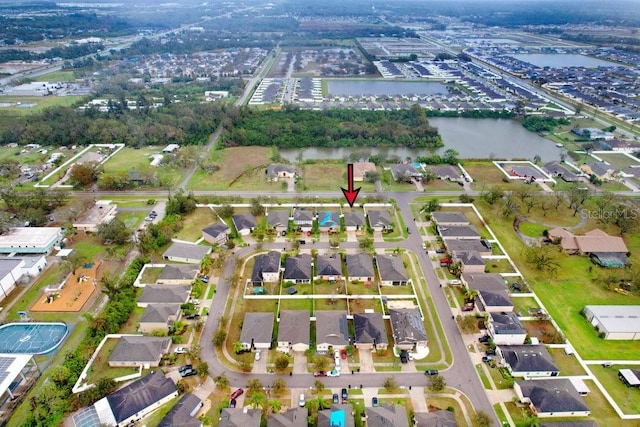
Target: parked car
column 345, row 395
column 343, row 354
column 184, row 368
column 404, row 358
column 188, row 373
column 319, row 374
column 606, row 364
column 374, row 401
column 180, row 350
column 291, row 290
column 195, row 301
column 424, row 245
column 333, row 373
column 337, row 363
column 487, row 359
column 204, row 279
column 302, row 242
column 486, row 243
column 490, row 352
column 232, row 403
column 410, row 355
column 484, row 338
column 440, row 251
column 336, row 354
column 301, row 400
column 237, row 393
column 336, row 398
column 455, row 282
column 192, row 316
column 431, row 372
column 445, row 262
column 257, row 355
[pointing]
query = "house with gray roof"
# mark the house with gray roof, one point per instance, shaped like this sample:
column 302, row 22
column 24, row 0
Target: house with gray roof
column 408, row 328
column 266, row 268
column 339, row 415
column 164, row 294
column 552, row 398
column 528, row 360
column 441, row 418
column 303, row 218
column 278, row 220
column 405, row 172
column 293, row 417
column 458, row 232
column 328, row 267
column 360, row 267
column 391, row 270
column 354, row 220
column 216, row 233
column 135, row 401
column 581, row 423
column 177, row 274
column 494, row 301
column 467, row 245
column 297, row 269
column 602, row 170
column 136, row 350
column 244, row 223
column 387, row 415
column 371, row 333
column 379, row 219
column 447, row 172
column 183, row 414
column 329, row 221
column 447, row 219
column 257, row 331
column 506, row 329
column 471, row 261
column 158, row 317
column 240, row 417
column 331, row 330
column 293, row 331
column 484, row 281
column 188, row 253
column 557, row 170
column 279, row 171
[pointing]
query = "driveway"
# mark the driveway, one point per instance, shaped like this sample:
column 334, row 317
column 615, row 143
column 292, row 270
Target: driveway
column 366, row 361
column 260, row 366
column 299, row 362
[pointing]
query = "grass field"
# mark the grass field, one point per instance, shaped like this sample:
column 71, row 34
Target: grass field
column 618, row 160
column 194, row 223
column 498, row 266
column 483, row 377
column 602, row 411
column 129, row 158
column 523, row 304
column 328, row 176
column 58, row 76
column 389, row 184
column 627, row 398
column 41, row 103
column 531, row 229
column 568, row 364
column 486, row 175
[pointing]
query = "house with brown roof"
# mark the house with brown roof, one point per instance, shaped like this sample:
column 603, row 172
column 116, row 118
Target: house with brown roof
column 360, row 169
column 603, row 249
column 471, row 261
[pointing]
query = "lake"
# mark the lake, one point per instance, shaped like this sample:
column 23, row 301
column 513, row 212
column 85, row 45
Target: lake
column 472, row 138
column 562, row 60
column 383, row 87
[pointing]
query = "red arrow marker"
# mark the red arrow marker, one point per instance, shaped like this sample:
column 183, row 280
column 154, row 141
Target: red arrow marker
column 350, row 194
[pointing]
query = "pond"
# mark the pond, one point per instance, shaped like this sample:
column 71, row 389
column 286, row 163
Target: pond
column 472, row 138
column 383, row 87
column 562, row 60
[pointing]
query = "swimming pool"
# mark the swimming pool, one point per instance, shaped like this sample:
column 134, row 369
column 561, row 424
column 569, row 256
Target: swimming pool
column 32, row 337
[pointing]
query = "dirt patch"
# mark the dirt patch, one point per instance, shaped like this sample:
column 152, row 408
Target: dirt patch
column 73, row 295
column 544, row 331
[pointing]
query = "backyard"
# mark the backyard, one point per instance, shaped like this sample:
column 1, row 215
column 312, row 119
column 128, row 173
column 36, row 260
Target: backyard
column 627, row 398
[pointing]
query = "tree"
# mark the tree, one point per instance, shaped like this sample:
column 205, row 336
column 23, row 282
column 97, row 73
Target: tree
column 225, row 211
column 437, row 383
column 282, row 362
column 455, row 268
column 219, row 338
column 492, row 195
column 110, row 285
column 470, row 294
column 320, row 363
column 254, row 385
column 482, row 419
column 320, row 403
column 202, row 369
column 371, row 176
column 577, row 197
column 116, row 231
column 221, row 381
column 319, row 385
column 274, row 405
column 450, row 156
column 83, row 175
column 257, row 399
column 432, row 206
column 390, row 384
column 237, row 347
column 279, row 386
column 543, row 257
column 256, row 207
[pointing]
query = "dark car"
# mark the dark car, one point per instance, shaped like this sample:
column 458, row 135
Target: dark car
column 319, row 374
column 374, row 401
column 302, row 242
column 188, row 372
column 345, row 395
column 291, row 290
column 486, row 243
column 404, row 357
column 487, row 359
column 336, row 398
column 431, row 372
column 485, row 338
column 204, row 279
column 192, row 316
column 237, row 393
column 232, row 403
column 490, row 352
column 440, row 251
column 185, row 368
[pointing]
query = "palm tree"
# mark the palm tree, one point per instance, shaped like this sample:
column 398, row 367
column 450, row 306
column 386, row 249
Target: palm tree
column 237, row 347
column 470, row 295
column 110, row 285
column 456, row 269
column 206, row 264
column 275, row 405
column 320, row 402
column 257, row 399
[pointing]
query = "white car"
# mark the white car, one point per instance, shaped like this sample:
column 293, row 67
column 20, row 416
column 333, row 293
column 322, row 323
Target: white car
column 195, row 301
column 333, row 373
column 424, row 245
column 410, row 354
column 336, row 354
column 180, row 350
column 301, row 400
column 338, row 367
column 257, row 355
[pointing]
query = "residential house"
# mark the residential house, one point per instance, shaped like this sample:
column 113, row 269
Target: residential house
column 277, row 172
column 471, row 261
column 297, row 269
column 102, row 212
column 329, row 221
column 506, row 329
column 557, row 170
column 188, row 253
column 293, row 417
column 360, row 169
column 387, row 415
column 240, row 417
column 278, row 220
column 266, row 268
column 159, row 317
column 303, row 219
column 391, row 270
column 331, row 330
column 602, row 170
column 217, row 233
column 441, row 418
column 328, row 267
column 615, row 322
column 134, row 351
column 360, row 267
column 371, row 333
column 380, row 220
column 164, row 294
column 458, row 232
column 405, row 172
column 552, row 398
column 593, row 133
column 171, row 149
column 293, row 331
column 448, row 173
column 134, row 401
column 528, row 361
column 244, row 223
column 630, row 377
column 408, row 328
column 257, row 331
column 30, row 240
column 178, row 274
column 183, row 414
column 339, row 415
column 603, row 249
column 449, row 219
column 137, row 178
column 354, row 221
column 493, row 296
column 467, row 245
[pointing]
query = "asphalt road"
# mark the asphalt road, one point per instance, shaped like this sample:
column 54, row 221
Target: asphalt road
column 461, row 375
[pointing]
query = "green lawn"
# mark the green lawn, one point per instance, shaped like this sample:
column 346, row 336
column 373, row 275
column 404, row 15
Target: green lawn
column 532, row 229
column 151, row 275
column 602, row 411
column 131, row 219
column 89, row 247
column 194, row 223
column 498, row 266
column 154, row 419
column 100, row 367
column 51, row 276
column 483, row 376
column 58, row 76
column 500, row 413
column 128, row 158
column 327, row 176
column 618, row 160
column 42, row 103
column 567, row 364
column 501, row 378
column 523, row 304
column 627, row 398
column 389, row 184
